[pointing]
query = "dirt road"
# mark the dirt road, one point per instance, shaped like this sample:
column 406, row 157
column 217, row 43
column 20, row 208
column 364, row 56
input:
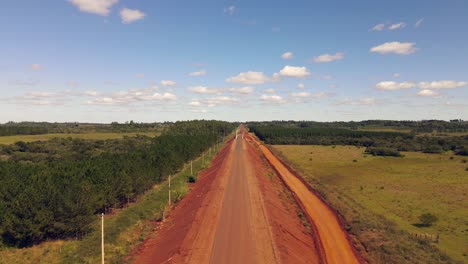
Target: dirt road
column 239, row 211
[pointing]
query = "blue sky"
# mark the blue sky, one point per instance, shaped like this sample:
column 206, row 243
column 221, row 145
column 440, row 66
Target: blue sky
column 119, row 60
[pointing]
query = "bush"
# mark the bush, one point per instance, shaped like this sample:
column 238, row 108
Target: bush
column 435, row 149
column 192, row 179
column 383, row 152
column 427, row 219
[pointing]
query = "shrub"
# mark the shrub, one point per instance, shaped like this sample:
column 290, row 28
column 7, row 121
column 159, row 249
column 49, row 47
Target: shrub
column 383, row 152
column 433, row 149
column 427, row 219
column 192, row 179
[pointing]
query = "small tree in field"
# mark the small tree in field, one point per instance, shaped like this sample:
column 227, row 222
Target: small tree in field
column 427, row 219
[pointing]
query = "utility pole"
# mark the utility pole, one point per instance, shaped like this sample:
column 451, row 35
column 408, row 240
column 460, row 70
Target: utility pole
column 169, row 190
column 102, row 238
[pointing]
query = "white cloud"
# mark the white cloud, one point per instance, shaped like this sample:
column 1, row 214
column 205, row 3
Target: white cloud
column 397, row 26
column 230, row 10
column 203, row 90
column 446, row 84
column 98, row 7
column 270, row 90
column 131, row 96
column 319, row 95
column 250, row 77
column 287, row 55
column 195, row 102
column 358, row 101
column 36, row 67
column 301, row 86
column 296, row 72
column 418, row 23
column 400, row 48
column 131, row 15
column 168, row 83
column 198, row 73
column 427, row 93
column 329, row 57
column 274, row 98
column 242, row 90
column 213, row 101
column 164, row 96
column 91, row 93
column 392, row 86
column 378, row 27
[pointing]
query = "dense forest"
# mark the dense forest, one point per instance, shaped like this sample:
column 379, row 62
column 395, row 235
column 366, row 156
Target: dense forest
column 378, row 143
column 424, row 126
column 53, row 189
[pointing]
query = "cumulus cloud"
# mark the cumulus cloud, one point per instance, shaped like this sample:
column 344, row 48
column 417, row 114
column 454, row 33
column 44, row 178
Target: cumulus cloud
column 168, row 83
column 230, row 10
column 131, row 15
column 213, row 101
column 401, row 48
column 392, row 86
column 301, row 86
column 293, row 71
column 132, row 96
column 242, row 90
column 329, row 57
column 378, row 27
column 446, row 84
column 98, row 7
column 203, row 90
column 198, row 73
column 270, row 91
column 397, row 26
column 272, row 98
column 250, row 77
column 287, row 55
column 36, row 67
column 305, row 95
column 427, row 92
column 418, row 23
column 357, row 101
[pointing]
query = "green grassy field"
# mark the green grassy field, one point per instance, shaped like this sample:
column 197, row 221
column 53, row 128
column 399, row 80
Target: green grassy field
column 399, row 189
column 29, row 138
column 124, row 229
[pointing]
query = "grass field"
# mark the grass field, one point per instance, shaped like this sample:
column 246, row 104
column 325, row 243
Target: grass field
column 29, row 138
column 399, row 189
column 124, row 229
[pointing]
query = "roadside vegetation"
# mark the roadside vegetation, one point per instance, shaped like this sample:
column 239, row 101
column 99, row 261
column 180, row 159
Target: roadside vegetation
column 125, row 228
column 409, row 209
column 321, row 134
column 54, row 189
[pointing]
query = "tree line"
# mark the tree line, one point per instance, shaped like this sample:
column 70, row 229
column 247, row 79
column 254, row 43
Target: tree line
column 378, row 143
column 59, row 198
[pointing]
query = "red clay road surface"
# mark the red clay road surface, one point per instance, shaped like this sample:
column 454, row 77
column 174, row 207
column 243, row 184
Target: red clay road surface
column 239, row 211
